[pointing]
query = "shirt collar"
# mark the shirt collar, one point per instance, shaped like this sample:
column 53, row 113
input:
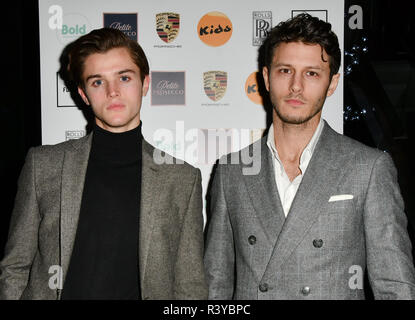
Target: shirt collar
column 308, row 150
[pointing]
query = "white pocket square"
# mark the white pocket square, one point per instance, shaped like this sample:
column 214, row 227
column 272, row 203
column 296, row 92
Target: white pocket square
column 341, row 197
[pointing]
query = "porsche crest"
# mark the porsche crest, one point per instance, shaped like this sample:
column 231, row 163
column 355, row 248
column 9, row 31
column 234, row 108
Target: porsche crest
column 168, row 26
column 215, row 83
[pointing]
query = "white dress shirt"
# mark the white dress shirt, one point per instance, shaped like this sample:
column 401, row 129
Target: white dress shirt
column 286, row 188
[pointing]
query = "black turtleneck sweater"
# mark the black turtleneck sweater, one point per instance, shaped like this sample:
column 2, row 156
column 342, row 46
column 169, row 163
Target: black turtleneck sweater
column 104, row 261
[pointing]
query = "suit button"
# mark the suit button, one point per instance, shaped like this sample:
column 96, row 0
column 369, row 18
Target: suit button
column 317, row 243
column 305, row 291
column 252, row 239
column 263, row 287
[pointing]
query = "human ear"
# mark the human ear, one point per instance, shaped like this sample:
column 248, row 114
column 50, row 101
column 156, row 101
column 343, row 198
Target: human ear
column 83, row 95
column 146, row 84
column 265, row 76
column 333, row 84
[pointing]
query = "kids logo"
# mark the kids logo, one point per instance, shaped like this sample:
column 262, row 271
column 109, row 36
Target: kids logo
column 215, row 29
column 167, row 26
column 215, row 83
column 251, row 88
column 125, row 22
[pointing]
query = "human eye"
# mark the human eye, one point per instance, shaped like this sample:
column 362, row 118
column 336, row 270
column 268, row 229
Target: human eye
column 97, row 83
column 284, row 70
column 124, row 78
column 312, row 74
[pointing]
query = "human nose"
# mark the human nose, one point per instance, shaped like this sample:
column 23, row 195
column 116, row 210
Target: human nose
column 113, row 89
column 296, row 83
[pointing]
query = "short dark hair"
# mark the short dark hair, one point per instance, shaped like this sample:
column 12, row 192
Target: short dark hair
column 302, row 28
column 101, row 41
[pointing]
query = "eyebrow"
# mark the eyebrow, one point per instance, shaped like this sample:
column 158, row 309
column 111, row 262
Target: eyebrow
column 93, row 76
column 281, row 64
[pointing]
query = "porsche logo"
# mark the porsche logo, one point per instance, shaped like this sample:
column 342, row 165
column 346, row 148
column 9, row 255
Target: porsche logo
column 215, row 83
column 167, row 26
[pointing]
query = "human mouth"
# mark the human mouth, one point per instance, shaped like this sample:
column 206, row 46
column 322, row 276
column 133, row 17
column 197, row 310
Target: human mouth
column 294, row 102
column 115, row 106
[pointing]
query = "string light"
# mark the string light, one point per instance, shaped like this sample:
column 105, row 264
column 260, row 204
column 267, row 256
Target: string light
column 353, row 115
column 352, row 57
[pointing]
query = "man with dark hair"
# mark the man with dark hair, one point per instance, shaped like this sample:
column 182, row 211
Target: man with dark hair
column 102, row 217
column 323, row 208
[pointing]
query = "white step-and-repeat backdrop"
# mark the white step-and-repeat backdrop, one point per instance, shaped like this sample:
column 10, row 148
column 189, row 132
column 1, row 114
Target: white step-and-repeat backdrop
column 203, row 100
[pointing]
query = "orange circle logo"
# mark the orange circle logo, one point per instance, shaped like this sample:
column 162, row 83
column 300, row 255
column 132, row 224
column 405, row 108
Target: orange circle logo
column 251, row 88
column 214, row 29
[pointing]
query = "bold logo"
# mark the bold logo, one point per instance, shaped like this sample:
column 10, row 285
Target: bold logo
column 214, row 29
column 321, row 14
column 215, row 83
column 251, row 88
column 125, row 22
column 74, row 134
column 168, row 26
column 168, row 88
column 73, row 26
column 261, row 23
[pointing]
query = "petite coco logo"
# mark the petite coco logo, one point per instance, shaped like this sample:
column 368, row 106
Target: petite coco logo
column 214, row 29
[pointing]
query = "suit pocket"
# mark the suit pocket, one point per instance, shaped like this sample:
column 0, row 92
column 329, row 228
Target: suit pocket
column 341, row 225
column 339, row 214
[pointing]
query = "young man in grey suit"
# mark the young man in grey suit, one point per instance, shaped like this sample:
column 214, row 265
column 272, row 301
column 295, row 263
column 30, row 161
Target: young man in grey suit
column 102, row 217
column 322, row 209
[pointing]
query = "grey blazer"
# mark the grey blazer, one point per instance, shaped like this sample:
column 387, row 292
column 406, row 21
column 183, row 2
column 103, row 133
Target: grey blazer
column 44, row 221
column 323, row 247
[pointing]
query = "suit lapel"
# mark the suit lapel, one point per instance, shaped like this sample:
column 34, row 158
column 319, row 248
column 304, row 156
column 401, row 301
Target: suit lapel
column 73, row 177
column 151, row 184
column 311, row 198
column 263, row 193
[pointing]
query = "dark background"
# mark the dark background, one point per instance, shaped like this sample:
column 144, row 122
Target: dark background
column 379, row 89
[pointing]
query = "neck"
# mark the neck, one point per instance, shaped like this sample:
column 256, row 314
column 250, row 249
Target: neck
column 134, row 123
column 114, row 147
column 291, row 139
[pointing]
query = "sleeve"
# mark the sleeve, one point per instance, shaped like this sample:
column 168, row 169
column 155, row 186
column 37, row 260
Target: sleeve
column 23, row 235
column 219, row 255
column 388, row 247
column 190, row 282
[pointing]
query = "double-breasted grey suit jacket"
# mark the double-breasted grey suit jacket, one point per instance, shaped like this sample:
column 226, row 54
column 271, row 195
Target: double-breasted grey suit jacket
column 347, row 216
column 45, row 218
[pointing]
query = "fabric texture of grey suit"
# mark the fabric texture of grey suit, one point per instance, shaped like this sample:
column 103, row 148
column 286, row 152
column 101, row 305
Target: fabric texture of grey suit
column 322, row 248
column 44, row 222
